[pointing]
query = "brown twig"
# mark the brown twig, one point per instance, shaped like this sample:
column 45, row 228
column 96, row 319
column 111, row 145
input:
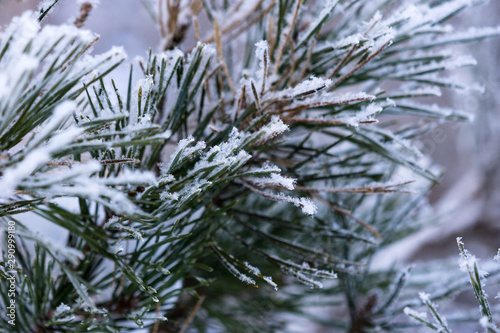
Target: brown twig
column 343, row 61
column 255, row 94
column 192, row 314
column 305, row 69
column 196, row 27
column 172, row 31
column 347, row 213
column 271, row 196
column 220, row 51
column 349, row 55
column 292, row 60
column 156, row 327
column 242, row 102
column 235, row 8
column 271, row 31
column 103, row 162
column 361, row 190
column 233, row 25
column 312, row 121
column 196, row 6
column 360, row 65
column 264, row 76
column 284, row 41
column 253, row 21
column 161, row 20
column 319, row 104
column 85, row 10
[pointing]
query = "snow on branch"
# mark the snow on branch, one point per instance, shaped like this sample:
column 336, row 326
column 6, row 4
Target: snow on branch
column 303, row 89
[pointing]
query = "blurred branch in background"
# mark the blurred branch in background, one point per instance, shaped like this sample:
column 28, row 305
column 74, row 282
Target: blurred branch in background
column 468, row 202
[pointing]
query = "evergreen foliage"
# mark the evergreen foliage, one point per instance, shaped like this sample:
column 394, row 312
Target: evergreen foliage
column 276, row 153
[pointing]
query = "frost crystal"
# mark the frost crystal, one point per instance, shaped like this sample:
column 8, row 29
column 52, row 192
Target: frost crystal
column 116, row 224
column 252, row 269
column 415, row 314
column 37, row 155
column 182, row 152
column 303, row 89
column 364, row 115
column 270, row 281
column 347, row 41
column 314, row 84
column 61, row 309
column 117, row 248
column 466, row 261
column 497, row 256
column 274, row 128
column 262, row 54
column 424, row 297
column 307, row 206
column 277, row 180
column 236, row 272
column 61, row 314
column 484, row 322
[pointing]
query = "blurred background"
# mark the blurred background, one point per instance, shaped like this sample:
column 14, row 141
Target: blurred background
column 467, row 201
